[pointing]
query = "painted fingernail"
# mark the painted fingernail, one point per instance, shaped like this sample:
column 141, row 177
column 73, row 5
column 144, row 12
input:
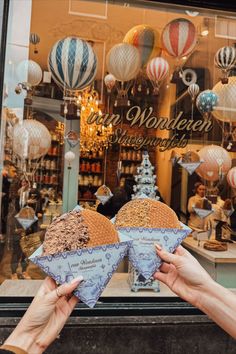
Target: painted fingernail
column 77, row 280
column 158, row 247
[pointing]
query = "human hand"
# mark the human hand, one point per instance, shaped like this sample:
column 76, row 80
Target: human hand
column 45, row 317
column 182, row 273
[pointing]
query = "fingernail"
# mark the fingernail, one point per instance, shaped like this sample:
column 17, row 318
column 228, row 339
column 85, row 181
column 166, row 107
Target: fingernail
column 77, row 280
column 158, row 247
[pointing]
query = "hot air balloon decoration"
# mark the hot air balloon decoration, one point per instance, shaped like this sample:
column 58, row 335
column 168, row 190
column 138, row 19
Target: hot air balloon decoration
column 30, row 74
column 124, row 62
column 34, row 39
column 206, row 101
column 226, row 108
column 193, row 91
column 157, row 71
column 146, row 39
column 73, row 64
column 110, row 82
column 179, row 38
column 231, row 177
column 225, row 59
column 216, row 163
column 31, row 141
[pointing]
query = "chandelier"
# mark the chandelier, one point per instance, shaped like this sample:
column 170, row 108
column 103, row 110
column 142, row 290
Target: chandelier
column 93, row 137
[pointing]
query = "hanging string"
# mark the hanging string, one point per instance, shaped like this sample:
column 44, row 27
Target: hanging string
column 105, row 165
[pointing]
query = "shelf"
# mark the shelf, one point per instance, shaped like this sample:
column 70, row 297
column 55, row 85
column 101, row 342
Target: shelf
column 127, row 174
column 87, row 200
column 52, row 155
column 131, row 161
column 47, row 169
column 89, row 186
column 92, row 158
column 90, row 173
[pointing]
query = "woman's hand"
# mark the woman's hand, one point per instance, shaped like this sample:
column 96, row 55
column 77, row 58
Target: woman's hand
column 45, row 317
column 182, row 273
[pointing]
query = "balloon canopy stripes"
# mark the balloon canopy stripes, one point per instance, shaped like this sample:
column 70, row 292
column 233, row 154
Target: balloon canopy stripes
column 73, row 63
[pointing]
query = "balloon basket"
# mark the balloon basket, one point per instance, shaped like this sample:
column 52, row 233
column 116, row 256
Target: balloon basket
column 224, row 80
column 69, row 111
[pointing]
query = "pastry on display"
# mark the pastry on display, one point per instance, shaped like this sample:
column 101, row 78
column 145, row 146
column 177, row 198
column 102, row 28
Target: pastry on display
column 103, row 191
column 214, row 245
column 78, row 229
column 190, row 156
column 147, row 213
column 26, row 213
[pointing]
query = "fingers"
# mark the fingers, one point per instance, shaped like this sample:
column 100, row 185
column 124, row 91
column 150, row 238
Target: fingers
column 64, row 289
column 160, row 276
column 72, row 302
column 166, row 256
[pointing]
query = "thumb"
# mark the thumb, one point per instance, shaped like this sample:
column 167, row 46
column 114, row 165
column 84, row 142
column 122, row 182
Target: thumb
column 166, row 256
column 64, row 289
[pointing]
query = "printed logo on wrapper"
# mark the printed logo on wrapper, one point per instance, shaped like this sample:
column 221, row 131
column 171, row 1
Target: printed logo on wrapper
column 142, row 253
column 96, row 265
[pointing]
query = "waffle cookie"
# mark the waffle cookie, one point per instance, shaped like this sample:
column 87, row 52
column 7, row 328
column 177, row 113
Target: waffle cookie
column 147, row 213
column 78, row 229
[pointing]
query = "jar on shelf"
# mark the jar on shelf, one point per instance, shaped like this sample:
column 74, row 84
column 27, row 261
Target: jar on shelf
column 48, row 164
column 86, row 181
column 53, row 178
column 129, row 154
column 81, row 180
column 90, row 179
column 100, row 153
column 124, row 154
column 93, row 167
column 87, row 168
column 96, row 181
column 139, row 155
column 100, row 181
column 134, row 155
column 53, row 165
column 46, row 178
column 98, row 167
column 127, row 169
column 83, row 166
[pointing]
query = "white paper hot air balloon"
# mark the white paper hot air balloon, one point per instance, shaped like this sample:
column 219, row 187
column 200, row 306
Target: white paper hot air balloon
column 216, row 162
column 109, row 81
column 157, row 70
column 226, row 108
column 73, row 63
column 31, row 139
column 231, row 177
column 29, row 72
column 225, row 59
column 124, row 62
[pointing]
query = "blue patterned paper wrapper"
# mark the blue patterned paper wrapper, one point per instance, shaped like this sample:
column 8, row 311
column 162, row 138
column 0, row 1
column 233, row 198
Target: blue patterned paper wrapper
column 142, row 253
column 95, row 264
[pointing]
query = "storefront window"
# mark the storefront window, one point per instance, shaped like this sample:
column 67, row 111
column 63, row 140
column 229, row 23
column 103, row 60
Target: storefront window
column 91, row 91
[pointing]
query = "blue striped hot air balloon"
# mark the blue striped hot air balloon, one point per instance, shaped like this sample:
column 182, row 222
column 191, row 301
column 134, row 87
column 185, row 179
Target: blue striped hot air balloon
column 73, row 63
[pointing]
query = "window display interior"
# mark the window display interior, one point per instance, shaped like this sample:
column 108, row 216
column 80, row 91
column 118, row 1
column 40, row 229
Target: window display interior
column 100, row 112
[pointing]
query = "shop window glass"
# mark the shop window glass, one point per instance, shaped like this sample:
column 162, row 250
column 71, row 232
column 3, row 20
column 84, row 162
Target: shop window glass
column 154, row 80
